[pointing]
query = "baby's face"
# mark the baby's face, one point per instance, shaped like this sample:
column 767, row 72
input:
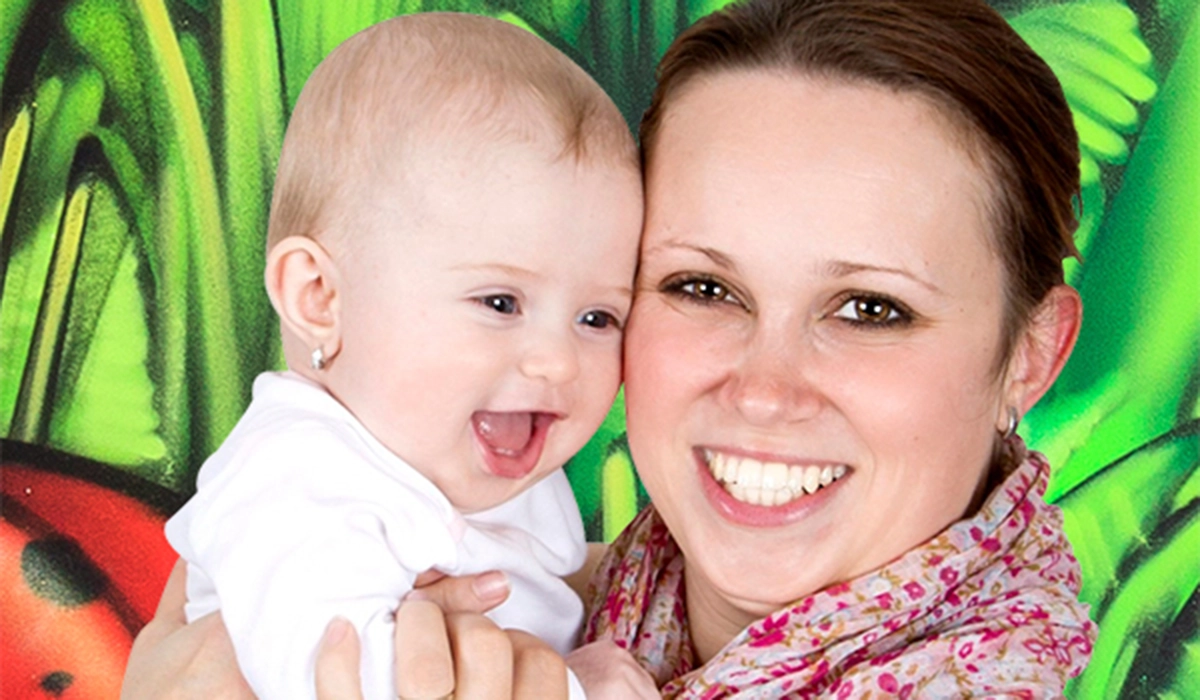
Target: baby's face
column 483, row 313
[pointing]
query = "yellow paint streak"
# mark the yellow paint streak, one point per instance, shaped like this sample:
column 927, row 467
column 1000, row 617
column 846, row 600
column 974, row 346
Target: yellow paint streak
column 16, row 141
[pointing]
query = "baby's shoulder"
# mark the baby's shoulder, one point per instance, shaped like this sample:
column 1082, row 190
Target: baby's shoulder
column 289, row 412
column 291, row 430
column 283, row 443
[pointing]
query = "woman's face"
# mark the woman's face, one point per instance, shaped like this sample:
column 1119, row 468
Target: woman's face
column 810, row 360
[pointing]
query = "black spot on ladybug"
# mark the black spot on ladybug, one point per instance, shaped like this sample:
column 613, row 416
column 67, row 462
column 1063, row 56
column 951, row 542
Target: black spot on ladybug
column 55, row 568
column 57, row 682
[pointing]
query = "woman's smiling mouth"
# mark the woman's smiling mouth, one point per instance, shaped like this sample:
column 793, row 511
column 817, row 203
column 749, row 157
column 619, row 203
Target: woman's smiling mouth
column 761, row 483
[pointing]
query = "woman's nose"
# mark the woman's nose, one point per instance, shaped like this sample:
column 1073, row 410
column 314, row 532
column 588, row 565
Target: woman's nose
column 551, row 357
column 769, row 388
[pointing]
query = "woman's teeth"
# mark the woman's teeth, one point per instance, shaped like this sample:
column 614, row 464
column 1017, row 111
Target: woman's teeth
column 769, row 483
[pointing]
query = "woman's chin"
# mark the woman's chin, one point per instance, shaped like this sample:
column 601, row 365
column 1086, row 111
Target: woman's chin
column 747, row 582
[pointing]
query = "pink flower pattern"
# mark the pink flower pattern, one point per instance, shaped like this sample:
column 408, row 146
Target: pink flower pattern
column 989, row 606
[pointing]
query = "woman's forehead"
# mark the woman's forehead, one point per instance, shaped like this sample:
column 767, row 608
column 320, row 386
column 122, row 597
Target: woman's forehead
column 812, row 171
column 789, row 140
column 742, row 110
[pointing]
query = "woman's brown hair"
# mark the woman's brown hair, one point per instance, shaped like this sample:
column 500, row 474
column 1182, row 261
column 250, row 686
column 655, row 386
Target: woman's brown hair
column 962, row 56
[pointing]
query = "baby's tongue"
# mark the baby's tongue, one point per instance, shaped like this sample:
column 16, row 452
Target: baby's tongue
column 506, row 433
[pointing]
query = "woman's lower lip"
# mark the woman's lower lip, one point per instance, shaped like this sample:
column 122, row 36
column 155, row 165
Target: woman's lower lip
column 750, row 515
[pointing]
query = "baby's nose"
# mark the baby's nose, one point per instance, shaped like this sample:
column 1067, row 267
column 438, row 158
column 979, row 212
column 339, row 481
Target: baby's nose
column 552, row 357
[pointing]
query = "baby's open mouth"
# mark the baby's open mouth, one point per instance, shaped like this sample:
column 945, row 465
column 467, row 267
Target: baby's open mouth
column 769, row 483
column 512, row 441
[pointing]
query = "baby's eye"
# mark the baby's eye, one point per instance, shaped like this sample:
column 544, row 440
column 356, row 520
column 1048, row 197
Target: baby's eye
column 702, row 290
column 873, row 311
column 505, row 304
column 600, row 320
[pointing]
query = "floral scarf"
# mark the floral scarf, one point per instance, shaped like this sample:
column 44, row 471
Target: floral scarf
column 989, row 606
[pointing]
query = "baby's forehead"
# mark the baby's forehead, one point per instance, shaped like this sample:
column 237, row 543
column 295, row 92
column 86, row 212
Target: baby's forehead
column 462, row 170
column 491, row 204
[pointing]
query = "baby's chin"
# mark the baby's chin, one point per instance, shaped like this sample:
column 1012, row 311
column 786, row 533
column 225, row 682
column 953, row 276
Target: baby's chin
column 478, row 495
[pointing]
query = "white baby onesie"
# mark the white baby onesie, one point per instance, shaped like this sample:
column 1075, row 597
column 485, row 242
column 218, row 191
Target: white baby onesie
column 302, row 515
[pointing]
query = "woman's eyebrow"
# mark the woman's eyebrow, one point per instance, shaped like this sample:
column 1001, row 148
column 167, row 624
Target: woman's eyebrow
column 717, row 257
column 843, row 268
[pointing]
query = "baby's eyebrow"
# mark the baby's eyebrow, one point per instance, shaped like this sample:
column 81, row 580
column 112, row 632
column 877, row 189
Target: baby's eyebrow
column 624, row 290
column 511, row 270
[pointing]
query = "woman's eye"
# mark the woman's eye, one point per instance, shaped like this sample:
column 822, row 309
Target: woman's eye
column 710, row 290
column 599, row 320
column 873, row 311
column 505, row 304
column 702, row 290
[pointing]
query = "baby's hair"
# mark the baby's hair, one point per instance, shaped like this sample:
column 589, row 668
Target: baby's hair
column 433, row 77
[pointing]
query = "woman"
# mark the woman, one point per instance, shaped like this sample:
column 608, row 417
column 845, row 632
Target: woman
column 851, row 283
column 850, row 291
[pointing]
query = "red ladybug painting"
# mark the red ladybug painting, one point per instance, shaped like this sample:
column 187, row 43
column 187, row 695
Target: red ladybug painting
column 82, row 563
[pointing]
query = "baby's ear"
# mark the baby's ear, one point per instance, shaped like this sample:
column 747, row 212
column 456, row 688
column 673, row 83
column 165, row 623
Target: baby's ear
column 304, row 286
column 1041, row 350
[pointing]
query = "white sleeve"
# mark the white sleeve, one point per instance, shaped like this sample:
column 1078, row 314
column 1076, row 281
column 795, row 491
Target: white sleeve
column 306, row 531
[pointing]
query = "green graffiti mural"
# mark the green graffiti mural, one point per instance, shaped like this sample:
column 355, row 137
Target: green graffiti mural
column 137, row 149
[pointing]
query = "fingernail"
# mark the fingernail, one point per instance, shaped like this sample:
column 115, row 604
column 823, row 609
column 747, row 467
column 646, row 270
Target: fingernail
column 491, row 585
column 417, row 594
column 336, row 631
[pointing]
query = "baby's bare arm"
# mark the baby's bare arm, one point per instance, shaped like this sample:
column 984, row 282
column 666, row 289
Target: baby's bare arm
column 578, row 581
column 608, row 672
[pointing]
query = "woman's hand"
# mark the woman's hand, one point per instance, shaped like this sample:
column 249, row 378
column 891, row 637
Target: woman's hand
column 172, row 659
column 457, row 652
column 467, row 654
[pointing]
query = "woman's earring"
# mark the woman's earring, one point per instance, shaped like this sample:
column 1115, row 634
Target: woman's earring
column 317, row 360
column 1013, row 421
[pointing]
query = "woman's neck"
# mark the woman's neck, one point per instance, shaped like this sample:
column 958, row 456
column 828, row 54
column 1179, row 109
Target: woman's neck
column 712, row 619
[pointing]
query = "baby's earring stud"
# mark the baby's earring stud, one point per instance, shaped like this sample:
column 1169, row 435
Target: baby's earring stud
column 317, row 360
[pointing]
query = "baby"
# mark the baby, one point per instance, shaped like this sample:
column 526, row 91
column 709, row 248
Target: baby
column 451, row 252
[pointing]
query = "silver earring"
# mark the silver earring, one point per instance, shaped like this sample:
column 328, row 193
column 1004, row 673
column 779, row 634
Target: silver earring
column 1013, row 421
column 317, row 360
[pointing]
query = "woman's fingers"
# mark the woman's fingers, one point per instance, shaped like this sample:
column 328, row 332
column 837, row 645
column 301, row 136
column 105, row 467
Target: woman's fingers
column 424, row 667
column 483, row 657
column 466, row 654
column 538, row 671
column 462, row 594
column 338, row 662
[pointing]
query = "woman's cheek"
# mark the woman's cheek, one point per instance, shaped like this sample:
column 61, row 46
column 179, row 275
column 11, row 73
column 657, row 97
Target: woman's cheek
column 658, row 364
column 669, row 356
